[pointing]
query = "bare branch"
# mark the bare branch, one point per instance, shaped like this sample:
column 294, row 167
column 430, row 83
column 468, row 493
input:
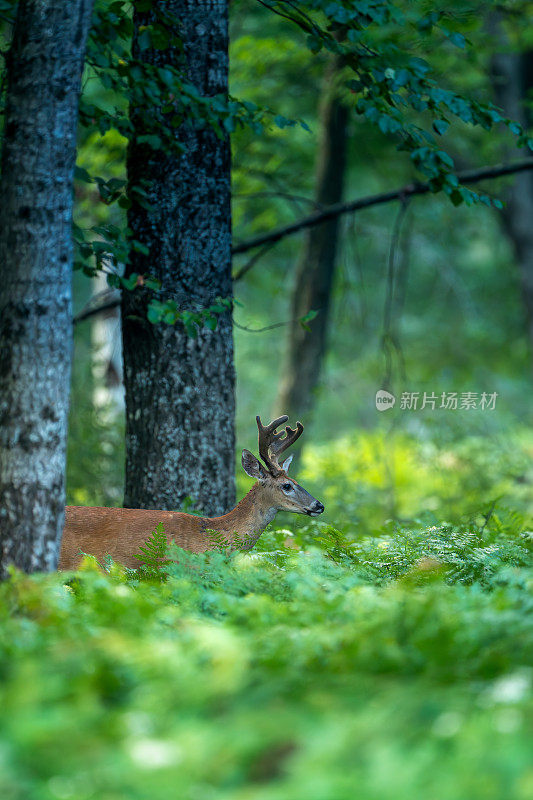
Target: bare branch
column 469, row 176
column 267, row 240
column 103, row 301
column 261, row 330
column 252, row 261
column 278, row 12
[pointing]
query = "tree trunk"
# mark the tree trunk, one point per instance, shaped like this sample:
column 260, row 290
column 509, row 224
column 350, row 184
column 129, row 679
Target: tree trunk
column 180, row 402
column 512, row 75
column 316, row 266
column 44, row 65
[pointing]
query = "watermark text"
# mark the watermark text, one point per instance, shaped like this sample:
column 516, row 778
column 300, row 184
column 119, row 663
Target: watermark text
column 449, row 401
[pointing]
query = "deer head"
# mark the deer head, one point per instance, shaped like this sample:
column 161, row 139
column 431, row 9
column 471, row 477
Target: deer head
column 283, row 492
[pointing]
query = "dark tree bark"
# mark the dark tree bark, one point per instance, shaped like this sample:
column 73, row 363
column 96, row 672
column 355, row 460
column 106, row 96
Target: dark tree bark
column 180, row 403
column 512, row 75
column 44, row 65
column 316, row 267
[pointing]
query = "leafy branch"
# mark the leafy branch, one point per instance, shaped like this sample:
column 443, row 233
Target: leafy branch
column 170, row 313
column 391, row 88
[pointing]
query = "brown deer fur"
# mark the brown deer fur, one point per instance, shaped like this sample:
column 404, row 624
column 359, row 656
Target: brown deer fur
column 120, row 532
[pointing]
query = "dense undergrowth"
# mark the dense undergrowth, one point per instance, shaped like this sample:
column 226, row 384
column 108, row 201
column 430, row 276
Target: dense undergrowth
column 394, row 667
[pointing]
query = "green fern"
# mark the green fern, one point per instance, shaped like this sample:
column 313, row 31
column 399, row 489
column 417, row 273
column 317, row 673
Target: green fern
column 507, row 522
column 219, row 541
column 154, row 556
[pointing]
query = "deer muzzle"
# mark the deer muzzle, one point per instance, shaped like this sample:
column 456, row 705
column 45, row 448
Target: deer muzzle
column 315, row 510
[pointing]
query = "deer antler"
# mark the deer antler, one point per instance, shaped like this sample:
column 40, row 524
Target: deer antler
column 272, row 444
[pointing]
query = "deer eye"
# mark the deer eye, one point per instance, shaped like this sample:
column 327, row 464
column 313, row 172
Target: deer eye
column 287, row 487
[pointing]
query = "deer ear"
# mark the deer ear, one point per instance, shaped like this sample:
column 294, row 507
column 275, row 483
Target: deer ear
column 252, row 466
column 286, row 464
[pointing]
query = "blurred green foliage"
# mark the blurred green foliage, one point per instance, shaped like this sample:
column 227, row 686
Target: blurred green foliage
column 458, row 316
column 95, row 447
column 325, row 673
column 457, row 312
column 383, row 653
column 370, row 477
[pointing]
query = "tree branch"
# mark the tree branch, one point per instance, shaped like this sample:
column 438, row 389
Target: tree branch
column 252, row 261
column 103, row 301
column 469, row 176
column 261, row 330
column 267, row 240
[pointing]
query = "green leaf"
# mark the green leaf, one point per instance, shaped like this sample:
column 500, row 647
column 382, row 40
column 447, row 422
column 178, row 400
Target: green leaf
column 101, row 247
column 229, row 124
column 314, row 44
column 81, row 174
column 139, row 247
column 170, row 317
column 144, row 40
column 457, row 39
column 440, row 126
column 130, row 283
column 160, row 37
column 282, row 122
column 151, row 139
column 113, row 281
column 307, row 318
column 153, row 314
column 191, row 329
column 445, row 158
column 456, row 197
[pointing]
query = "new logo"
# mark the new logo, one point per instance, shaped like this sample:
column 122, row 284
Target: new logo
column 384, row 400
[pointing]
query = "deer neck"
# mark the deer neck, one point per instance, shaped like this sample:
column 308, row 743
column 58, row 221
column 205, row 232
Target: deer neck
column 246, row 522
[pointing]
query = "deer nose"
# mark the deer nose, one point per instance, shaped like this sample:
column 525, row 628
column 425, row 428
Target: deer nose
column 318, row 508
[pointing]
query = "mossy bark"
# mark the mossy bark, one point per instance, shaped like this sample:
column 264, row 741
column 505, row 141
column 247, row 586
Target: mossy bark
column 44, row 66
column 180, row 403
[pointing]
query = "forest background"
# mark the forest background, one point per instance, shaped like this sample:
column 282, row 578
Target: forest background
column 385, row 649
column 426, row 297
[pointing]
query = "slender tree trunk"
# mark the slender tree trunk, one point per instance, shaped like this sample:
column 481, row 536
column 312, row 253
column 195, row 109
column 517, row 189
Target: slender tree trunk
column 180, row 403
column 316, row 266
column 512, row 75
column 44, row 65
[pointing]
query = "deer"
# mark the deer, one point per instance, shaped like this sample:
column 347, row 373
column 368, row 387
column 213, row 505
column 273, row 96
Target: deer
column 120, row 532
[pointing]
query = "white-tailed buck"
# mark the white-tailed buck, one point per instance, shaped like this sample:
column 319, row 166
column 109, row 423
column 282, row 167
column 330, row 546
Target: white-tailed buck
column 120, row 532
